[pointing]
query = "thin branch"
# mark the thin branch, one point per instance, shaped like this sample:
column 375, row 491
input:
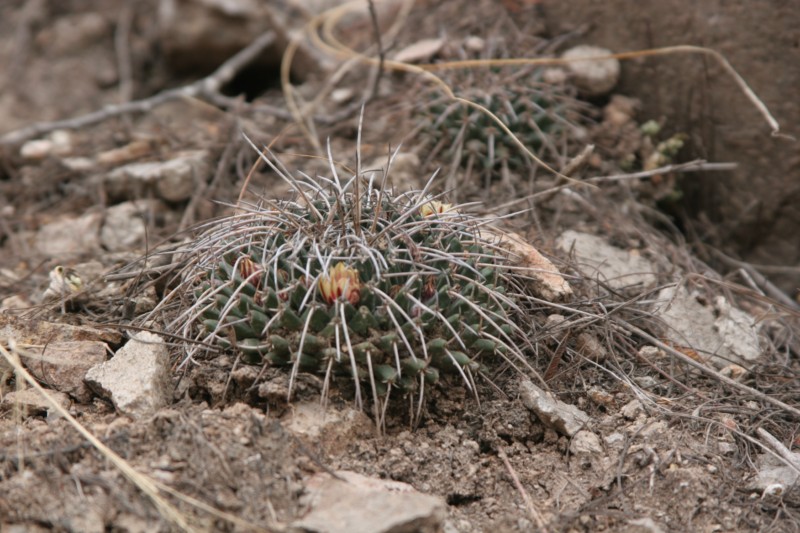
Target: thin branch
column 208, row 87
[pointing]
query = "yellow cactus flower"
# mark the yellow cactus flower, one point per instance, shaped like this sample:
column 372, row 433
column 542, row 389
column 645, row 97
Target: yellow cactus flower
column 434, row 208
column 340, row 281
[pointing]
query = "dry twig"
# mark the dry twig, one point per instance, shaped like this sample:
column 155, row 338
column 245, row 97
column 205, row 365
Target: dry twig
column 208, row 87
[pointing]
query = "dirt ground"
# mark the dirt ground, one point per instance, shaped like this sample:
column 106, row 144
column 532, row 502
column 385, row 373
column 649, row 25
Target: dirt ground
column 670, row 447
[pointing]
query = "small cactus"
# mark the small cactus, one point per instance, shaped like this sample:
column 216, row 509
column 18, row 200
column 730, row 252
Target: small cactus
column 536, row 113
column 392, row 290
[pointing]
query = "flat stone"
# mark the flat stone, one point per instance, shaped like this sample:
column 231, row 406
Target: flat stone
column 328, row 425
column 33, row 400
column 63, row 366
column 585, row 443
column 70, row 237
column 125, row 224
column 173, row 180
column 720, row 333
column 358, row 504
column 543, row 277
column 137, row 378
column 32, row 331
column 598, row 259
column 632, row 409
column 420, row 51
column 564, row 418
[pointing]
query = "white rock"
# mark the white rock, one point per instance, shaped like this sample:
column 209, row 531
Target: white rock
column 36, row 149
column 598, row 259
column 137, row 378
column 78, row 164
column 564, row 418
column 62, row 142
column 174, row 180
column 473, row 43
column 422, row 50
column 773, row 471
column 342, row 95
column 59, row 142
column 585, row 443
column 358, row 504
column 616, row 440
column 594, row 77
column 70, row 237
column 125, row 224
column 720, row 333
column 631, row 409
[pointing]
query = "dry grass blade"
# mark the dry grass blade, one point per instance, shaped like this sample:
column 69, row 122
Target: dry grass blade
column 147, row 485
column 144, row 483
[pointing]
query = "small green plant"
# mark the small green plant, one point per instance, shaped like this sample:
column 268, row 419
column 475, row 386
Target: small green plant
column 537, row 114
column 392, row 290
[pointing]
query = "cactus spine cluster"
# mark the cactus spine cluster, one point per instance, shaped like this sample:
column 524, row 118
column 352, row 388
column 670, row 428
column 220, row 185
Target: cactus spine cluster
column 351, row 279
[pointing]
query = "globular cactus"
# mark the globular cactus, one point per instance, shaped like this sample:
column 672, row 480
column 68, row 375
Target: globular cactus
column 536, row 113
column 389, row 289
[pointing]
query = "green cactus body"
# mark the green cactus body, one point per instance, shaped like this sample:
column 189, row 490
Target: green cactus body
column 390, row 290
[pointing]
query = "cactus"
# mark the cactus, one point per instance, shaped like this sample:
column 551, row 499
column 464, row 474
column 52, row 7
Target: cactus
column 392, row 290
column 536, row 113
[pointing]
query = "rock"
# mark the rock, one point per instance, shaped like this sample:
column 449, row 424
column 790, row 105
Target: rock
column 125, row 224
column 592, row 77
column 33, row 399
column 544, row 279
column 328, row 425
column 137, row 378
column 32, row 331
column 358, row 504
column 70, row 237
column 63, row 365
column 585, row 443
column 720, row 333
column 590, row 347
column 173, row 180
column 125, row 154
column 632, row 409
column 420, row 51
column 78, row 164
column 564, row 418
column 644, row 525
column 475, row 44
column 598, row 259
column 342, row 95
column 774, row 476
column 58, row 143
column 404, row 167
column 36, row 149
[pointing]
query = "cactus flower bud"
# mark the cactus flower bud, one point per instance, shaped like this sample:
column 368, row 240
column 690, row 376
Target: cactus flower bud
column 340, row 281
column 434, row 208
